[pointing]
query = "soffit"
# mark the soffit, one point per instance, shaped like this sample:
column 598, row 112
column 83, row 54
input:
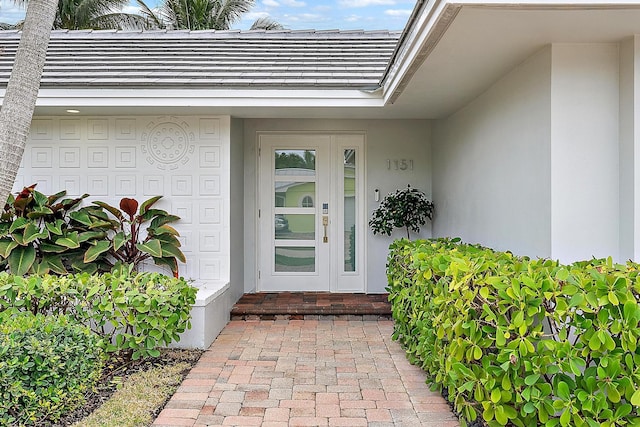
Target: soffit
column 477, row 44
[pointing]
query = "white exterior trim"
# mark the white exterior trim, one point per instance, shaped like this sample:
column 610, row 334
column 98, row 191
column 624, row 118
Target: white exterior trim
column 343, row 281
column 206, row 98
column 420, row 41
column 550, row 4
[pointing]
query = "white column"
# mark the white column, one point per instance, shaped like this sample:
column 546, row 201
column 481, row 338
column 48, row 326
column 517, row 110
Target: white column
column 585, row 211
column 630, row 148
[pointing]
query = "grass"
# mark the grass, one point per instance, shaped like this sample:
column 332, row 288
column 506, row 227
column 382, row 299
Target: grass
column 137, row 400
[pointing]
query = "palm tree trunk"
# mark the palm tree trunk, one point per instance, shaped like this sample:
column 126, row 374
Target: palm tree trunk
column 22, row 89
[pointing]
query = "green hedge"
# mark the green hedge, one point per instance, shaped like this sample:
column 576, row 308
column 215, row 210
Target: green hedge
column 133, row 312
column 519, row 341
column 47, row 364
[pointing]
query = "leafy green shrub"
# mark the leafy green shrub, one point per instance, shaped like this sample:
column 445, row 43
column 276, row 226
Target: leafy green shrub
column 134, row 313
column 51, row 234
column 408, row 208
column 519, row 341
column 38, row 234
column 47, row 364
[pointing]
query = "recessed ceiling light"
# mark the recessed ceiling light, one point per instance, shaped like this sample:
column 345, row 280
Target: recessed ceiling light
column 73, row 111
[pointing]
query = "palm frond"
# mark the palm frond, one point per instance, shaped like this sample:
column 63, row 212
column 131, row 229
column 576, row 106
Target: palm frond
column 266, row 23
column 197, row 14
column 154, row 19
column 175, row 14
column 200, row 14
column 230, row 11
column 5, row 26
column 120, row 21
column 85, row 12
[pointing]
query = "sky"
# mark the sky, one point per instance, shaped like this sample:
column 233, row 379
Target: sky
column 299, row 14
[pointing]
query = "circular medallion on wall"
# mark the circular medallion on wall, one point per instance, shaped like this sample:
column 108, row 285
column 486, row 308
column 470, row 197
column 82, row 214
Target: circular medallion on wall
column 168, row 143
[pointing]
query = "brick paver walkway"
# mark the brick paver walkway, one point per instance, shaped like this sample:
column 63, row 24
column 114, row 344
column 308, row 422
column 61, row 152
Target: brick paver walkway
column 306, row 373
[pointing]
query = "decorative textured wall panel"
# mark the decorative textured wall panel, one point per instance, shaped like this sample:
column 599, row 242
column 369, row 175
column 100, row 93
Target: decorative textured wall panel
column 98, row 157
column 70, row 129
column 180, row 158
column 41, row 129
column 210, row 268
column 181, row 185
column 97, row 185
column 126, row 185
column 153, row 185
column 43, row 183
column 209, row 157
column 98, row 129
column 71, row 183
column 184, row 210
column 210, row 211
column 209, row 185
column 210, row 129
column 168, row 143
column 126, row 129
column 125, row 157
column 186, row 238
column 41, row 157
column 210, row 241
column 69, row 157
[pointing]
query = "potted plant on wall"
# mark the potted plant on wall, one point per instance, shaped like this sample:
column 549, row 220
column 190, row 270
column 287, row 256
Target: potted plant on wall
column 407, row 208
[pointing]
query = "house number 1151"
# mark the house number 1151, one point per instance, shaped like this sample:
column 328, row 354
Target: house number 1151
column 399, row 164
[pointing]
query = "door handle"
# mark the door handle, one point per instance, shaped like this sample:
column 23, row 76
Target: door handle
column 325, row 224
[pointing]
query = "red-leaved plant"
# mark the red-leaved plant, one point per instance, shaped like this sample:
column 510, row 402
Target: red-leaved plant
column 135, row 235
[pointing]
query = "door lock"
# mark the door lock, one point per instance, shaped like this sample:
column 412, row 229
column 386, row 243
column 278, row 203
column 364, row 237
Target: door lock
column 325, row 224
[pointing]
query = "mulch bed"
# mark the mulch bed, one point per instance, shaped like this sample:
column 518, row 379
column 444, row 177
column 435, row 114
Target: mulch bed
column 116, row 372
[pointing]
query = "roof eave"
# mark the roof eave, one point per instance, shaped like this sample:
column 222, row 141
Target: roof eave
column 199, row 97
column 427, row 24
column 430, row 21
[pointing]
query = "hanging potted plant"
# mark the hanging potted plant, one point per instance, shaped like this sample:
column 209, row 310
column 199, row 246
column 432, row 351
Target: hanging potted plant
column 407, row 208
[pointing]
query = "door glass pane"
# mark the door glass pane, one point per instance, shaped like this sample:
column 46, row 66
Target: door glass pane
column 295, row 227
column 290, row 194
column 295, row 259
column 295, row 162
column 349, row 191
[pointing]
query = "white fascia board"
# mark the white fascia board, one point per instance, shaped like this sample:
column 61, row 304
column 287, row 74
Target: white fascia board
column 206, row 98
column 551, row 4
column 432, row 23
column 429, row 27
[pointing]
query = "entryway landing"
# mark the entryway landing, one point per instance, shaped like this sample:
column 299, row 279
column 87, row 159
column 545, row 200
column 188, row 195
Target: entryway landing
column 310, row 305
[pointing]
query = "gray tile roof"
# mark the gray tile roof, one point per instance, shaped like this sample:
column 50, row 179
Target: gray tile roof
column 211, row 59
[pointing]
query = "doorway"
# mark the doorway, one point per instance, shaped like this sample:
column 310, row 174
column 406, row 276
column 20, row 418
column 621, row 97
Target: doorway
column 311, row 212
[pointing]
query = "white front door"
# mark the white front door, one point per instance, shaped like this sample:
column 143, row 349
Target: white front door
column 311, row 218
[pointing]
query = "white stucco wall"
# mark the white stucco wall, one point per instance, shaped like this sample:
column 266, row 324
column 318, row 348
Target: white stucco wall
column 185, row 159
column 491, row 164
column 584, row 151
column 629, row 156
column 385, row 140
column 237, row 209
column 532, row 164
